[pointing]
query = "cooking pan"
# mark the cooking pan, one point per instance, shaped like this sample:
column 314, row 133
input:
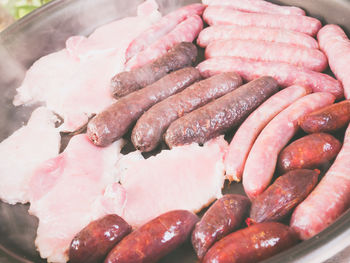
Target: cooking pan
column 45, row 31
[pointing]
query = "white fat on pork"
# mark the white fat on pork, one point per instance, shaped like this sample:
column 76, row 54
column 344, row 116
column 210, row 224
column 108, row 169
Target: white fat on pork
column 69, row 191
column 188, row 177
column 25, row 149
column 75, row 82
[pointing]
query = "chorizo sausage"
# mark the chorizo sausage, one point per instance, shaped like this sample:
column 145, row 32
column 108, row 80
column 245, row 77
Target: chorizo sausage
column 150, row 128
column 180, row 56
column 309, row 152
column 222, row 15
column 328, row 200
column 112, row 123
column 154, row 239
column 92, row 243
column 262, row 159
column 285, row 74
column 221, row 114
column 246, row 134
column 328, row 119
column 280, row 198
column 260, row 50
column 252, row 244
column 224, row 216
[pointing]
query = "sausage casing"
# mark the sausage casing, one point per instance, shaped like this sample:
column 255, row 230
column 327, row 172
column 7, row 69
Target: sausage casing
column 311, row 151
column 180, row 56
column 92, row 243
column 283, row 195
column 151, row 126
column 252, row 244
column 328, row 119
column 154, row 239
column 221, row 114
column 224, row 216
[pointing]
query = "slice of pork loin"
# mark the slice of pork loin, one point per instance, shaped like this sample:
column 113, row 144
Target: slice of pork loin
column 69, row 191
column 25, row 149
column 187, row 177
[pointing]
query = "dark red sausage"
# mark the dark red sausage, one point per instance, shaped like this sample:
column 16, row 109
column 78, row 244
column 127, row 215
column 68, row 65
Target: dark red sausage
column 311, row 151
column 151, row 126
column 328, row 119
column 155, row 239
column 180, row 56
column 92, row 244
column 221, row 114
column 224, row 216
column 112, row 123
column 252, row 244
column 283, row 195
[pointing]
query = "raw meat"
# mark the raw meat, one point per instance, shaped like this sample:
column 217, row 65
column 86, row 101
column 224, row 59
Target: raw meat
column 257, row 6
column 162, row 27
column 69, row 191
column 277, row 35
column 186, row 31
column 259, row 50
column 330, row 198
column 336, row 45
column 224, row 15
column 25, row 149
column 261, row 162
column 187, row 177
column 75, row 82
column 249, row 130
column 285, row 74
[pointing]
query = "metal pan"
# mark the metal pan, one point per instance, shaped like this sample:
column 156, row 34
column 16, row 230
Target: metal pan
column 45, row 31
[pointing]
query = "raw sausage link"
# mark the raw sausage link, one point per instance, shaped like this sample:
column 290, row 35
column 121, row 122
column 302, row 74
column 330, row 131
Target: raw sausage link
column 112, row 123
column 283, row 195
column 277, row 35
column 162, row 27
column 257, row 6
column 252, row 244
column 180, row 56
column 329, row 119
column 150, row 128
column 262, row 159
column 330, row 198
column 186, row 31
column 155, row 239
column 221, row 114
column 311, row 151
column 285, row 74
column 222, row 15
column 245, row 136
column 224, row 216
column 92, row 244
column 336, row 45
column 260, row 50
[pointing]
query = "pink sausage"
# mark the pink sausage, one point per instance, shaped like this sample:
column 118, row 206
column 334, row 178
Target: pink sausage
column 328, row 200
column 261, row 162
column 278, row 35
column 285, row 74
column 161, row 28
column 222, row 15
column 336, row 45
column 186, row 31
column 245, row 136
column 257, row 6
column 260, row 50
